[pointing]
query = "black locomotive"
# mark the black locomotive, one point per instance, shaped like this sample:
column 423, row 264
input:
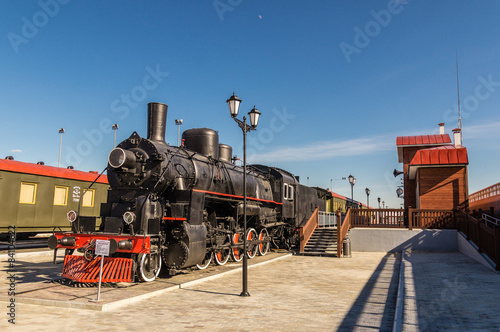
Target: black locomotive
column 184, row 205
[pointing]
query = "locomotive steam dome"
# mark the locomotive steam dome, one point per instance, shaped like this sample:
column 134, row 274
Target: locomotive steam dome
column 205, row 141
column 225, row 153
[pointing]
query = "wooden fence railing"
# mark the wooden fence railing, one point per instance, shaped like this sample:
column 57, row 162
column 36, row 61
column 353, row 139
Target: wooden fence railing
column 485, row 237
column 424, row 218
column 377, row 218
column 307, row 230
column 342, row 232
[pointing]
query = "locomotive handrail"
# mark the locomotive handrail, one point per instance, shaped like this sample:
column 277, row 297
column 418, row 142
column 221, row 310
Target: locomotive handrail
column 307, row 230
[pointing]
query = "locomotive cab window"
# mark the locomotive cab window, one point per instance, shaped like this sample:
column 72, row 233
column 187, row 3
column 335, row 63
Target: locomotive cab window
column 61, row 196
column 287, row 192
column 28, row 193
column 88, row 198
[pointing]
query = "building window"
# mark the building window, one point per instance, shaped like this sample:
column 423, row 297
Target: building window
column 28, row 193
column 61, row 196
column 88, row 198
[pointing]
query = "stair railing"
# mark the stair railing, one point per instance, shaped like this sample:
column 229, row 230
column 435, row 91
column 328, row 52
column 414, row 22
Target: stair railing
column 489, row 219
column 342, row 232
column 307, row 230
column 327, row 219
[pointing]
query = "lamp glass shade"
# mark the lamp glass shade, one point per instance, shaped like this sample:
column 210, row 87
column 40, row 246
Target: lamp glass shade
column 61, row 131
column 234, row 105
column 367, row 191
column 254, row 117
column 399, row 191
column 351, row 179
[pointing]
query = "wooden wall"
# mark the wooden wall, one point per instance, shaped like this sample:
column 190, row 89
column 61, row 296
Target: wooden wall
column 442, row 187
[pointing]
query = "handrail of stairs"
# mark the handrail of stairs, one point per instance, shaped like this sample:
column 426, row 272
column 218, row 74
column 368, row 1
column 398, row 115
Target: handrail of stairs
column 489, row 219
column 307, row 230
column 342, row 232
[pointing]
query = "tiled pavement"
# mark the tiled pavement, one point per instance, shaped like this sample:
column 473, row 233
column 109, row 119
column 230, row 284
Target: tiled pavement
column 449, row 291
column 295, row 293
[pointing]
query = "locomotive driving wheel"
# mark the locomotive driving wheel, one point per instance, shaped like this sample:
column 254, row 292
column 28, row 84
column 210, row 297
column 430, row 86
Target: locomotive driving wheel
column 264, row 242
column 206, row 261
column 148, row 266
column 222, row 256
column 251, row 243
column 237, row 250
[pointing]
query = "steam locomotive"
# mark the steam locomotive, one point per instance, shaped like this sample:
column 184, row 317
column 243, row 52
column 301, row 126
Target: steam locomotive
column 182, row 206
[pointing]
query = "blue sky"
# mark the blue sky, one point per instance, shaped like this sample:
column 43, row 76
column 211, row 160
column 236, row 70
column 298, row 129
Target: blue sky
column 335, row 81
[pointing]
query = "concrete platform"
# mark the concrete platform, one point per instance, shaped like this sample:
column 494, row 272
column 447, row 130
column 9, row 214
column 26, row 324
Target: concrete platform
column 289, row 293
column 39, row 282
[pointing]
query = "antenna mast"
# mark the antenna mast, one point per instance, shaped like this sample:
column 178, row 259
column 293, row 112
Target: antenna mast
column 458, row 97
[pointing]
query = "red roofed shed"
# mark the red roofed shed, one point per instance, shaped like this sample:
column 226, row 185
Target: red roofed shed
column 435, row 171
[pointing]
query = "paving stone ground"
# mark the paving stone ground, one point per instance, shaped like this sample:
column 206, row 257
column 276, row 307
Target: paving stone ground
column 449, row 291
column 296, row 293
column 444, row 291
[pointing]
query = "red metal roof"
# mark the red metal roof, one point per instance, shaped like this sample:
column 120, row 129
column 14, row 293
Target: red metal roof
column 441, row 155
column 423, row 140
column 56, row 172
column 337, row 195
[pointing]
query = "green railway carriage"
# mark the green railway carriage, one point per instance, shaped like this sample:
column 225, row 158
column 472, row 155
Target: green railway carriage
column 36, row 198
column 333, row 201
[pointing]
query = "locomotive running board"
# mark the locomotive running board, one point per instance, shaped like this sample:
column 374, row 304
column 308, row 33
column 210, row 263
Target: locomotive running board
column 115, row 269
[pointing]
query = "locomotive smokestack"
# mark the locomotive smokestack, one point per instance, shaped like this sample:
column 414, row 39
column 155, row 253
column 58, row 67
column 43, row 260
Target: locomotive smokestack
column 157, row 117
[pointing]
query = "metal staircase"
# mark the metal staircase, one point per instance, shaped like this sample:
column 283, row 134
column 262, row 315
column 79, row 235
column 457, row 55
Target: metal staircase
column 323, row 242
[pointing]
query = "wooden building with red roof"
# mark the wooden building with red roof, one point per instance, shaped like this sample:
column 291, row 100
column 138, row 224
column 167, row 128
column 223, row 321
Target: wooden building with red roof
column 435, row 170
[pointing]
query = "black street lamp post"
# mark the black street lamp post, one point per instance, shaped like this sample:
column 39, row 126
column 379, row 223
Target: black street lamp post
column 115, row 128
column 234, row 105
column 367, row 198
column 352, row 181
column 178, row 123
column 61, row 131
column 378, row 199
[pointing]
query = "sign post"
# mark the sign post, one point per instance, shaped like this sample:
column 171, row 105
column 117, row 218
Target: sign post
column 101, row 249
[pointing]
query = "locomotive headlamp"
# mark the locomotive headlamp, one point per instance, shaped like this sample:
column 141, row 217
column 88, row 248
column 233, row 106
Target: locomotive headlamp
column 125, row 245
column 254, row 117
column 129, row 217
column 72, row 215
column 121, row 158
column 234, row 105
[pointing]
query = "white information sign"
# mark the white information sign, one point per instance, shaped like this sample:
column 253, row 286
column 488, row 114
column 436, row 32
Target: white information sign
column 102, row 247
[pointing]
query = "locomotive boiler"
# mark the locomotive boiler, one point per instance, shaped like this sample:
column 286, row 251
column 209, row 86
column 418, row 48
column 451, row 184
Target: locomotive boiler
column 183, row 206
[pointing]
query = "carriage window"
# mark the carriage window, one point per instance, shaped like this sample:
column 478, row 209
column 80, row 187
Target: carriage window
column 61, row 196
column 290, row 192
column 285, row 191
column 28, row 193
column 88, row 198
